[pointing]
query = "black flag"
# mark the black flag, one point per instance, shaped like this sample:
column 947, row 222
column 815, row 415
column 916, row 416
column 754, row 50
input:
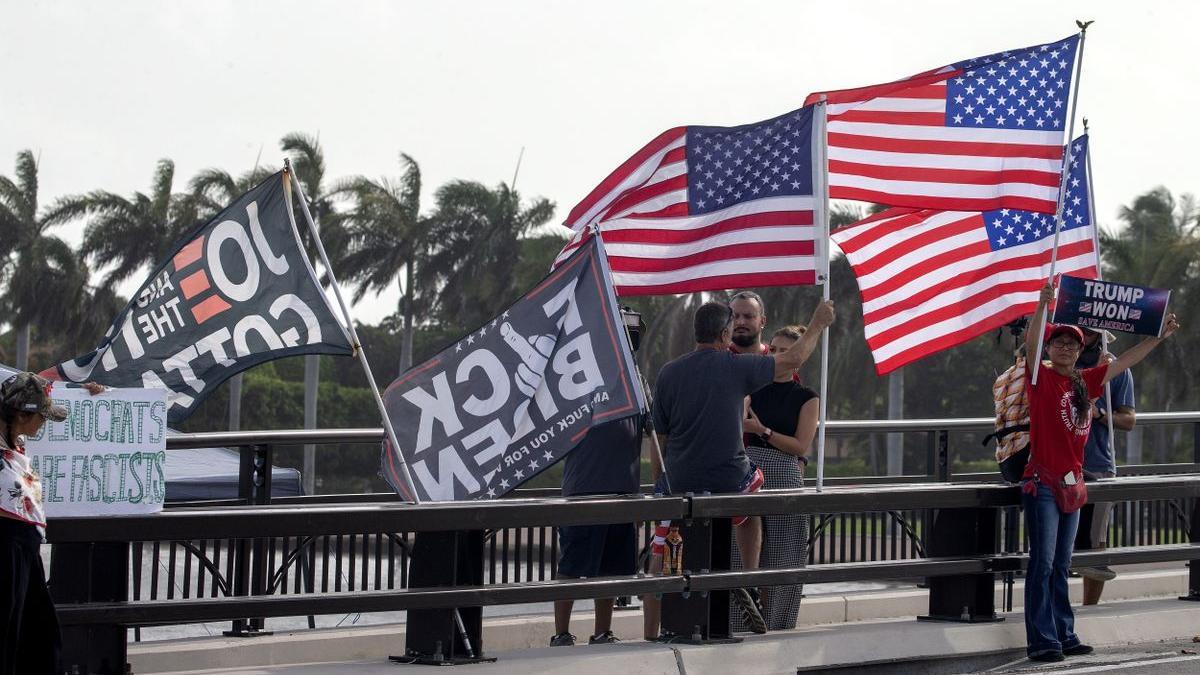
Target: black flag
column 517, row 394
column 237, row 291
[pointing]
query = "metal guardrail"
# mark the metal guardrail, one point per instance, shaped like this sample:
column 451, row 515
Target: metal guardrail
column 284, row 521
column 207, row 439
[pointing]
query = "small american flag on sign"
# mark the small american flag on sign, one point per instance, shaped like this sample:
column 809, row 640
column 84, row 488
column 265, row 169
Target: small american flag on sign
column 708, row 208
column 981, row 134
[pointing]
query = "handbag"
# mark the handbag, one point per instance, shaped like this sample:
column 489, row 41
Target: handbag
column 1069, row 498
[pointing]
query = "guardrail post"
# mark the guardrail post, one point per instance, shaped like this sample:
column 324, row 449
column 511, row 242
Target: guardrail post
column 250, row 571
column 445, row 636
column 943, row 455
column 701, row 618
column 966, row 598
column 91, row 572
column 1194, row 526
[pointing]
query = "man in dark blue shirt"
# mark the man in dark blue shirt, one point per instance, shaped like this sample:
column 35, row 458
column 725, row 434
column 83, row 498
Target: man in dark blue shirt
column 1099, row 462
column 607, row 461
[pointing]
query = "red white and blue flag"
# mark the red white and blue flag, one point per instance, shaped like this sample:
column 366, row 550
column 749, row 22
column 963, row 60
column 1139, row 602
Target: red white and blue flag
column 934, row 279
column 976, row 135
column 708, row 208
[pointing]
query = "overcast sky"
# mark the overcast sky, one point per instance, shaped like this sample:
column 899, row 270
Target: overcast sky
column 102, row 90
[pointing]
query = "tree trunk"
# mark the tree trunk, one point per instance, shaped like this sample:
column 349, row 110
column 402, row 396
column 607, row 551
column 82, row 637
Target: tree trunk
column 235, row 402
column 312, row 377
column 22, row 347
column 895, row 441
column 406, row 347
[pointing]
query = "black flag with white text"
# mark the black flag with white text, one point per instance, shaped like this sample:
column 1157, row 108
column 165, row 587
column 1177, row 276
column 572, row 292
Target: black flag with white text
column 237, row 291
column 517, row 394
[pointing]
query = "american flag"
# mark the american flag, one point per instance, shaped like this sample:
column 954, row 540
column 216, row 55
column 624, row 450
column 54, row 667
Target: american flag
column 934, row 279
column 708, row 208
column 981, row 134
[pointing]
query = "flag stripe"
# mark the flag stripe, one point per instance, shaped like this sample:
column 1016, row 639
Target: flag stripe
column 741, row 279
column 642, row 264
column 918, row 200
column 633, row 172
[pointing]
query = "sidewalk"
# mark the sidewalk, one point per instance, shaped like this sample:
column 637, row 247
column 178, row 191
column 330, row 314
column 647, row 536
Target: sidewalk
column 812, row 648
column 837, row 612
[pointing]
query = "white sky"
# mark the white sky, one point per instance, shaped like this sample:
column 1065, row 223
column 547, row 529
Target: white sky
column 102, row 90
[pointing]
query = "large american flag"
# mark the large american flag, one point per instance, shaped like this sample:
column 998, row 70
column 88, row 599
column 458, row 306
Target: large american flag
column 934, row 279
column 708, row 208
column 981, row 134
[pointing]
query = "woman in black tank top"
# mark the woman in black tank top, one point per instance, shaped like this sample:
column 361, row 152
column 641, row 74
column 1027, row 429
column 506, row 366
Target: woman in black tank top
column 781, row 423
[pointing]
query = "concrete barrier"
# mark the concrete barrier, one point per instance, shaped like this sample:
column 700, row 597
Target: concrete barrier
column 375, row 643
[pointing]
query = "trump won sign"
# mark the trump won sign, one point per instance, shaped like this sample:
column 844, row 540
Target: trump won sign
column 518, row 393
column 1107, row 305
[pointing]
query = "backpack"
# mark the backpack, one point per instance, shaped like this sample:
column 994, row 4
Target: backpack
column 1012, row 421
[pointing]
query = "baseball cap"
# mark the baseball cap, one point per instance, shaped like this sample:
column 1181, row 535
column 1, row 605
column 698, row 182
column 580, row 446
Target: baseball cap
column 30, row 393
column 1054, row 330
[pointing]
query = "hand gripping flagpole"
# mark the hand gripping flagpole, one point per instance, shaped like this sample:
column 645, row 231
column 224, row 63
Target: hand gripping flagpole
column 1062, row 191
column 1099, row 275
column 362, row 355
column 821, row 206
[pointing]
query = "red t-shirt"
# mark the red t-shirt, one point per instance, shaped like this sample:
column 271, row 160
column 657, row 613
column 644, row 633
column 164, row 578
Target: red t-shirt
column 1056, row 441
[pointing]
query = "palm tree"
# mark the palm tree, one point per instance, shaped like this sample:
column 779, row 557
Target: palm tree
column 308, row 166
column 131, row 233
column 384, row 234
column 476, row 234
column 34, row 266
column 1160, row 247
column 214, row 189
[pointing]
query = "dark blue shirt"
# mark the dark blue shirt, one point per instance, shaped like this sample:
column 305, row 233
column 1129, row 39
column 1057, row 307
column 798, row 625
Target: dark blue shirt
column 1097, row 455
column 607, row 460
column 698, row 405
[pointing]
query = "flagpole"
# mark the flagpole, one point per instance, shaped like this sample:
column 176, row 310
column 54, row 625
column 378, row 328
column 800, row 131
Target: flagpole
column 1099, row 275
column 362, row 355
column 1062, row 189
column 821, row 206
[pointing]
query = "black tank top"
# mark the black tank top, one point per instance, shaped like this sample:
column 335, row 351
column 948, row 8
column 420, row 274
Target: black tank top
column 778, row 406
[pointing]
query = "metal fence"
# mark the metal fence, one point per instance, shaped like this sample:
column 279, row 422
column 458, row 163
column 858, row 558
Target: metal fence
column 375, row 561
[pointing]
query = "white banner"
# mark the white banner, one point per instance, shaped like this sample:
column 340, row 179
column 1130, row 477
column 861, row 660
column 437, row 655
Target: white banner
column 108, row 457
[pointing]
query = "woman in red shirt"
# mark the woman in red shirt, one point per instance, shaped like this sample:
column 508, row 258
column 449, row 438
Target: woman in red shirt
column 1059, row 422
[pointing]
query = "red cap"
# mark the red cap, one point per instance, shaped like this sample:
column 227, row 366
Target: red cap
column 1054, row 330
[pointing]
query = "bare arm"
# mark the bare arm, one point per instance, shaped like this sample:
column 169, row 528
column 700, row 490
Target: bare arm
column 1136, row 353
column 795, row 357
column 1124, row 418
column 656, row 467
column 1031, row 333
column 798, row 444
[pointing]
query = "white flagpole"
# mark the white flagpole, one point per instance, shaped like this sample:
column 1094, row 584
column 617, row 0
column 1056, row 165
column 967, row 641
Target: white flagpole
column 1099, row 275
column 362, row 355
column 821, row 208
column 1062, row 191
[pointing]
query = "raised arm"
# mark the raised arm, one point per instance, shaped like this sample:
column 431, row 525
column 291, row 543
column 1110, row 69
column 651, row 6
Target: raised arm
column 1031, row 333
column 1139, row 351
column 795, row 357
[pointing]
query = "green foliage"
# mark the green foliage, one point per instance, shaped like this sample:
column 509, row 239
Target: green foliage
column 476, row 251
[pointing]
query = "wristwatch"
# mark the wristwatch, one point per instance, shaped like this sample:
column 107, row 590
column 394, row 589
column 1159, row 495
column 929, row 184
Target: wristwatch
column 768, row 433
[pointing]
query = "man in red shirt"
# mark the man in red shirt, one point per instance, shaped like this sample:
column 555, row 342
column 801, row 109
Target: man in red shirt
column 1059, row 421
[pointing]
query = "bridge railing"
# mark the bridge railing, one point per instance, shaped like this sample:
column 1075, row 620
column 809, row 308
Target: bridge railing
column 324, row 554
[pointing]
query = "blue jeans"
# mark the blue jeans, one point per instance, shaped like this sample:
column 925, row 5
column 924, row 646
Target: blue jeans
column 1049, row 621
